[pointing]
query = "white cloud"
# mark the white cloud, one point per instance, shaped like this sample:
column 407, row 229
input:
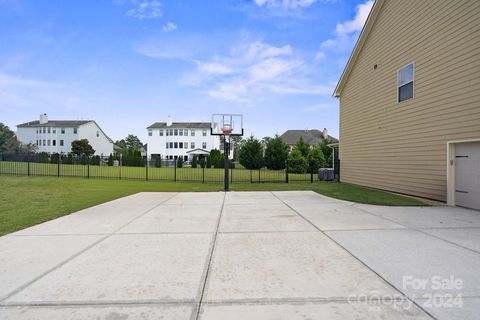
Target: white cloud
column 347, row 32
column 320, row 56
column 286, row 4
column 145, row 10
column 317, row 107
column 169, row 26
column 252, row 71
column 7, row 80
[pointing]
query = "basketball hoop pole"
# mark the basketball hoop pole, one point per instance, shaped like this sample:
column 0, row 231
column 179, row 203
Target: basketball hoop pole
column 226, row 150
column 226, row 125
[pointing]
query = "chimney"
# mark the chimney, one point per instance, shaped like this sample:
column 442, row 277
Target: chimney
column 169, row 121
column 43, row 118
column 325, row 133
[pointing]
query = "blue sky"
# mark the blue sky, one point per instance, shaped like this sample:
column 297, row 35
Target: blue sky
column 129, row 63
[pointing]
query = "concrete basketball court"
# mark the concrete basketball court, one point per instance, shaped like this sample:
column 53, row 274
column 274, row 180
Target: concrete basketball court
column 243, row 255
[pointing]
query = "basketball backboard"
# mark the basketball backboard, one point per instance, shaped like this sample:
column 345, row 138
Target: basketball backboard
column 227, row 124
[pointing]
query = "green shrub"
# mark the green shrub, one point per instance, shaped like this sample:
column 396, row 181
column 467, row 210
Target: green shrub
column 296, row 162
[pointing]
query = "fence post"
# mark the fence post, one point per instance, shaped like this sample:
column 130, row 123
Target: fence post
column 146, row 169
column 286, row 171
column 175, row 170
column 203, row 173
column 58, row 167
column 88, row 168
column 311, row 172
column 28, row 166
column 251, row 179
column 259, row 175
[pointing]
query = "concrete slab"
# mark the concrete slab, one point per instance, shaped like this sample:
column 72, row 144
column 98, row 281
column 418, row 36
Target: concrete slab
column 101, row 219
column 308, row 198
column 468, row 238
column 256, row 198
column 396, row 254
column 345, row 217
column 427, row 217
column 197, row 198
column 298, row 311
column 127, row 268
column 23, row 258
column 441, row 309
column 139, row 312
column 286, row 265
column 176, row 218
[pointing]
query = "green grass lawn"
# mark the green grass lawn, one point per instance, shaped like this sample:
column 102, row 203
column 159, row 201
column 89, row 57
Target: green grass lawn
column 26, row 201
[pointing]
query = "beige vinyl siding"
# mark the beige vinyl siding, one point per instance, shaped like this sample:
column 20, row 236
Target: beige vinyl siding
column 402, row 147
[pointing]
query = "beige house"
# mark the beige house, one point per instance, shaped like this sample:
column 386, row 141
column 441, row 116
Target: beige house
column 410, row 101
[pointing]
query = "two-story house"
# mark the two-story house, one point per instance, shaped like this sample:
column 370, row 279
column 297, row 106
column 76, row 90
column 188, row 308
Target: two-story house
column 410, row 101
column 56, row 136
column 171, row 140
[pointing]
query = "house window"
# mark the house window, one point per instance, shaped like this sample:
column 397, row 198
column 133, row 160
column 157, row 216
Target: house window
column 61, row 143
column 171, row 145
column 75, row 130
column 48, row 130
column 166, row 132
column 180, row 145
column 54, row 130
column 204, row 145
column 149, row 133
column 185, row 145
column 175, row 145
column 192, row 145
column 204, row 133
column 405, row 83
column 171, row 132
column 180, row 132
column 36, row 143
column 185, row 132
column 54, row 142
column 43, row 129
column 167, row 145
column 44, row 142
column 98, row 134
column 192, row 133
column 48, row 142
column 175, row 132
column 63, row 131
column 161, row 133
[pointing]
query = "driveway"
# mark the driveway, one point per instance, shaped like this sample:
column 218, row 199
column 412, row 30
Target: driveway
column 244, row 255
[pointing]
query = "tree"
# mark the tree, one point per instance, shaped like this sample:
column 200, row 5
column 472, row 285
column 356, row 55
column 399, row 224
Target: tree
column 82, row 148
column 133, row 142
column 303, row 147
column 216, row 158
column 327, row 152
column 276, row 153
column 209, row 162
column 251, row 154
column 297, row 162
column 236, row 144
column 180, row 162
column 110, row 160
column 55, row 158
column 121, row 144
column 8, row 140
column 316, row 159
column 194, row 161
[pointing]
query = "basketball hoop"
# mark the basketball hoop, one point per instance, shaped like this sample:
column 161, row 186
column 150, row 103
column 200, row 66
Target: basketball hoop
column 227, row 130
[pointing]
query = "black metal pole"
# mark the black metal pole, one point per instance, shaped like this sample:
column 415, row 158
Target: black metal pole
column 225, row 152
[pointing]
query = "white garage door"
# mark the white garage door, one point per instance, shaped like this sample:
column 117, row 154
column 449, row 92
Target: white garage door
column 467, row 175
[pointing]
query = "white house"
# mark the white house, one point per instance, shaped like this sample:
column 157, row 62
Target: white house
column 56, row 136
column 171, row 140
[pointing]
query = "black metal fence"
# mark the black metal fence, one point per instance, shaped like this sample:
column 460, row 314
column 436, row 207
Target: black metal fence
column 143, row 169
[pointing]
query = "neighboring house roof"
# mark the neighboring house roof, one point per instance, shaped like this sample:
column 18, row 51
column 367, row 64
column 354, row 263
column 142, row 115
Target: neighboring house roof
column 183, row 125
column 61, row 123
column 358, row 46
column 54, row 123
column 312, row 137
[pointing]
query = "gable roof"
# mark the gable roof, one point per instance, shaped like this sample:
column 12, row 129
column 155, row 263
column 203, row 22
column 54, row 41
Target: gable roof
column 183, row 125
column 312, row 137
column 62, row 123
column 377, row 6
column 55, row 123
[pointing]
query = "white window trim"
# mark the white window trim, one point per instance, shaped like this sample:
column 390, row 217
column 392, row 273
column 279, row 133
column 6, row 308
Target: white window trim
column 413, row 80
